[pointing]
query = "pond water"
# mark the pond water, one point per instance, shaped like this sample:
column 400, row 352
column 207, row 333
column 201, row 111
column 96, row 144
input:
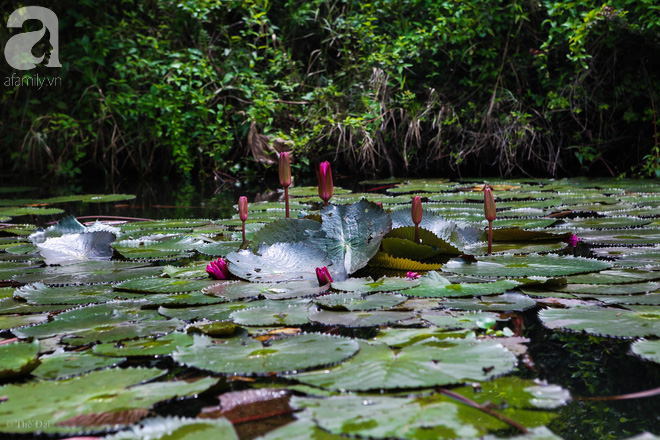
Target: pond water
column 541, row 339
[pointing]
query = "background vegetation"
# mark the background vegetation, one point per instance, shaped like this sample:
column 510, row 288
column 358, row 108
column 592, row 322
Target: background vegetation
column 387, row 87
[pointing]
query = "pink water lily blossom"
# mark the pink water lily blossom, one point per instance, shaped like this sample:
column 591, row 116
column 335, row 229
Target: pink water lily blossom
column 323, row 276
column 325, row 182
column 573, row 240
column 243, row 212
column 218, row 269
column 490, row 213
column 416, row 212
column 413, row 275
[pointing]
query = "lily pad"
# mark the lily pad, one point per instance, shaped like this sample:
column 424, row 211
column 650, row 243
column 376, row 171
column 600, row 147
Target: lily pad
column 428, row 363
column 433, row 285
column 506, row 302
column 18, row 358
column 359, row 318
column 150, row 346
column 384, row 284
column 359, row 301
column 647, row 349
column 280, row 313
column 164, row 285
column 603, row 321
column 249, row 356
column 62, row 364
column 455, row 320
column 525, row 266
column 175, row 428
column 82, row 403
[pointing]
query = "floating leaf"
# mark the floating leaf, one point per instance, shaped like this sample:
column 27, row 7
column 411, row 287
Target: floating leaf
column 647, row 349
column 604, row 321
column 433, row 285
column 428, row 363
column 151, row 346
column 164, row 285
column 454, row 320
column 88, row 401
column 281, row 313
column 525, row 265
column 359, row 318
column 359, row 301
column 62, row 364
column 506, row 302
column 175, row 428
column 381, row 259
column 249, row 356
column 384, row 284
column 279, row 262
column 18, row 358
column 615, row 276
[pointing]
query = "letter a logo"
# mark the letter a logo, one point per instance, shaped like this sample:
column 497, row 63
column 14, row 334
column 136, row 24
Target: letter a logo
column 18, row 50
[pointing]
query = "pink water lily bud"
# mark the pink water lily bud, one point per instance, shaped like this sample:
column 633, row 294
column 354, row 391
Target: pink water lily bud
column 489, row 204
column 323, row 276
column 573, row 240
column 413, row 275
column 325, row 182
column 417, row 210
column 243, row 208
column 285, row 170
column 218, row 269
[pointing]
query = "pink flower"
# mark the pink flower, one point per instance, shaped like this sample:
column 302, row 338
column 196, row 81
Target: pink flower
column 323, row 276
column 573, row 240
column 285, row 170
column 417, row 210
column 325, row 182
column 218, row 269
column 489, row 204
column 413, row 275
column 243, row 208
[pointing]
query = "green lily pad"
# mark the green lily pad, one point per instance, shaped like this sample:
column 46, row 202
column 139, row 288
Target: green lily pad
column 384, row 284
column 11, row 321
column 62, row 364
column 219, row 248
column 39, row 293
column 150, row 346
column 382, row 417
column 175, row 428
column 615, row 276
column 164, row 285
column 647, row 349
column 525, row 265
column 18, row 358
column 359, row 318
column 604, row 321
column 507, row 302
column 428, row 363
column 606, row 223
column 627, row 237
column 214, row 312
column 359, row 302
column 455, row 320
column 608, row 289
column 89, row 272
column 300, row 430
column 279, row 262
column 433, row 285
column 104, row 399
column 140, row 248
column 249, row 356
column 275, row 313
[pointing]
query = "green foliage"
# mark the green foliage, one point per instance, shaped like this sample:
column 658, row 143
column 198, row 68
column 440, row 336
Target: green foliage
column 191, row 86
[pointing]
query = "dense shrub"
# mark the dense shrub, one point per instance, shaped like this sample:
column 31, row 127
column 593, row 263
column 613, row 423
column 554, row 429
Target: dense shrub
column 388, row 87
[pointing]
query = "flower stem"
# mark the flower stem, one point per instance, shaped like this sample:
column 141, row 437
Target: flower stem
column 417, row 234
column 286, row 201
column 490, row 236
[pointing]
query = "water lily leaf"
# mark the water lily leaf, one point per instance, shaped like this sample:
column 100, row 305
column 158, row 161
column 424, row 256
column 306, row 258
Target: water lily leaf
column 381, row 259
column 103, row 322
column 18, row 358
column 284, row 290
column 300, row 430
column 214, row 312
column 401, row 244
column 433, row 285
column 164, row 285
column 220, row 248
column 615, row 222
column 507, row 302
column 175, row 428
column 517, row 234
column 248, row 356
column 427, row 363
column 16, row 212
column 651, row 299
column 454, row 320
column 603, row 321
column 450, row 232
column 359, row 318
column 11, row 321
column 89, row 272
column 384, row 284
column 90, row 198
column 286, row 231
column 356, row 301
column 519, row 223
column 140, row 248
column 62, row 364
column 82, row 403
column 524, row 266
column 381, row 417
column 515, row 247
column 646, row 236
column 40, row 293
column 353, row 234
column 275, row 313
column 615, row 276
column 647, row 349
column 608, row 289
column 279, row 262
column 150, row 346
column 212, row 328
